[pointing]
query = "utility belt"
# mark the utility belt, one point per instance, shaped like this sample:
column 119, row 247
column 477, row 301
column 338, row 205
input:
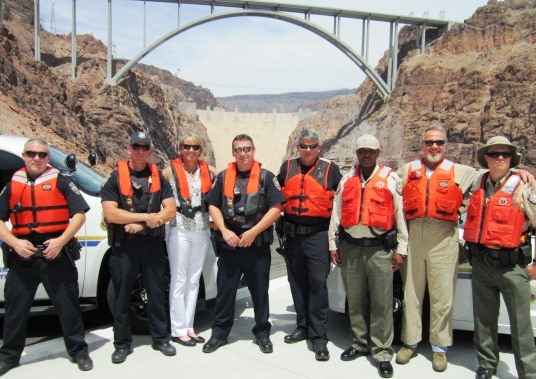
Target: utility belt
column 387, row 240
column 71, row 250
column 116, row 233
column 505, row 257
column 291, row 230
column 264, row 238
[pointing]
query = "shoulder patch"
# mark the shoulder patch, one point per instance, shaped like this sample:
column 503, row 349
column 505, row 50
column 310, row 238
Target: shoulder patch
column 532, row 197
column 74, row 188
column 276, row 183
column 399, row 188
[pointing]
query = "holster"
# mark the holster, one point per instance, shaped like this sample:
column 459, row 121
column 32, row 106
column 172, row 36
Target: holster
column 390, row 241
column 214, row 241
column 6, row 254
column 73, row 249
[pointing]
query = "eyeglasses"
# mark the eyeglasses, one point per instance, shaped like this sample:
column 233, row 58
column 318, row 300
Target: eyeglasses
column 497, row 154
column 33, row 154
column 305, row 146
column 245, row 149
column 430, row 143
column 189, row 147
column 141, row 147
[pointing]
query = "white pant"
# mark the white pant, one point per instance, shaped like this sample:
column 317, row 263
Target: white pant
column 187, row 252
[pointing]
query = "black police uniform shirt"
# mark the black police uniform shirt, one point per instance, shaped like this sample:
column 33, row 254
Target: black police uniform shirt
column 271, row 189
column 334, row 177
column 75, row 200
column 140, row 186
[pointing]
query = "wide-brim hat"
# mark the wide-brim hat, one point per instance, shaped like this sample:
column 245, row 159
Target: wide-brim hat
column 495, row 141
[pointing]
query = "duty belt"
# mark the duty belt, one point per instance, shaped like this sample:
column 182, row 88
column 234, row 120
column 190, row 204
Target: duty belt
column 301, row 230
column 365, row 242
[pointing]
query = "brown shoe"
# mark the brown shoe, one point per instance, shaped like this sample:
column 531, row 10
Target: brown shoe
column 405, row 354
column 439, row 362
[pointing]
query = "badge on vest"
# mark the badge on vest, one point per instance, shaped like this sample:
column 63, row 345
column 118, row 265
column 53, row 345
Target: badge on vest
column 380, row 184
column 503, row 201
column 47, row 187
column 129, row 200
column 443, row 184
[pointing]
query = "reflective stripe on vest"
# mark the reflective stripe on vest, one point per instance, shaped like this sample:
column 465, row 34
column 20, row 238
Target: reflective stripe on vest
column 499, row 222
column 27, row 203
column 307, row 194
column 438, row 197
column 373, row 206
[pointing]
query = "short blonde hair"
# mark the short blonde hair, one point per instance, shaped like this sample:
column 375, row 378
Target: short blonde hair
column 192, row 136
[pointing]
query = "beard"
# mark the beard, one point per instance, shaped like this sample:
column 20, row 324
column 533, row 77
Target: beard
column 433, row 158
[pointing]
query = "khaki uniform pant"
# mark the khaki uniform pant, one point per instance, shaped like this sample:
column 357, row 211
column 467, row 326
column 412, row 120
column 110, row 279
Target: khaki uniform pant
column 490, row 279
column 432, row 260
column 368, row 277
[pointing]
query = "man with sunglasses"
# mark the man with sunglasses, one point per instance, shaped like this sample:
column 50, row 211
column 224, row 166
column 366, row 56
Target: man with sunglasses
column 137, row 201
column 46, row 210
column 309, row 183
column 434, row 190
column 497, row 235
column 244, row 203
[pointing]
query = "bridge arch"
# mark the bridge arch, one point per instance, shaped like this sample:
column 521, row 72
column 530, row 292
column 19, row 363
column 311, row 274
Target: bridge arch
column 380, row 84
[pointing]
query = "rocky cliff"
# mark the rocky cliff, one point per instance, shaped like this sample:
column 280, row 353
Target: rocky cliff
column 86, row 114
column 477, row 80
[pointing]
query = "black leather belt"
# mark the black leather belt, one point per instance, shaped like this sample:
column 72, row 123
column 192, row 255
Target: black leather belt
column 365, row 242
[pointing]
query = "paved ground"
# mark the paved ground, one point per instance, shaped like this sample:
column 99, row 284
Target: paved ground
column 241, row 358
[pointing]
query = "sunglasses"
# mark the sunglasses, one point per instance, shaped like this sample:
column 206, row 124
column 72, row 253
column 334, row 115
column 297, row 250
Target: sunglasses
column 190, row 147
column 33, row 154
column 497, row 154
column 141, row 147
column 304, row 146
column 245, row 149
column 430, row 143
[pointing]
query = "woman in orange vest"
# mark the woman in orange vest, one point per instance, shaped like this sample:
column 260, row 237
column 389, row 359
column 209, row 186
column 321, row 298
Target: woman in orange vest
column 187, row 236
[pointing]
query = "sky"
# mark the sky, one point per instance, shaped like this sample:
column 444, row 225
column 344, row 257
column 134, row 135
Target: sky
column 245, row 55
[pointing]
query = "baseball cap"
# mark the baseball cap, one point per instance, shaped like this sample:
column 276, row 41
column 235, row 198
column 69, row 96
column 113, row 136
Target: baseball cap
column 140, row 137
column 368, row 141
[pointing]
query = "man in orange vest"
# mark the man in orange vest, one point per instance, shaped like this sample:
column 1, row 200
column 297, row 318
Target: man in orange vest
column 496, row 233
column 369, row 222
column 46, row 210
column 137, row 201
column 309, row 183
column 244, row 203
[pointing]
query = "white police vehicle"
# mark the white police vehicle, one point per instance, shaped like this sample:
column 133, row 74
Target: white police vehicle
column 463, row 299
column 94, row 281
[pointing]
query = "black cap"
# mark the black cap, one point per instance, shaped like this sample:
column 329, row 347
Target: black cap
column 140, row 137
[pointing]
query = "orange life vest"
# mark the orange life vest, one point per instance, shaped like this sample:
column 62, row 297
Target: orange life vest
column 27, row 203
column 372, row 205
column 183, row 190
column 438, row 197
column 308, row 194
column 253, row 191
column 127, row 192
column 500, row 223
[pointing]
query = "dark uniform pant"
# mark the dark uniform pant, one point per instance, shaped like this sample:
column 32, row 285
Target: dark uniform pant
column 254, row 262
column 490, row 279
column 308, row 269
column 60, row 279
column 367, row 273
column 145, row 255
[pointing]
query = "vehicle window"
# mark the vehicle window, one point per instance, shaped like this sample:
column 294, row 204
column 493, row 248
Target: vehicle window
column 85, row 178
column 9, row 164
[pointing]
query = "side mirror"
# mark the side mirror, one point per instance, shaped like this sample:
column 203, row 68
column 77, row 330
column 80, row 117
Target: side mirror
column 92, row 159
column 70, row 162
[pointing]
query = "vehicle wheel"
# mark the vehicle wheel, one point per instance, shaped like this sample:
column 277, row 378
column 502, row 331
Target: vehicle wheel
column 137, row 307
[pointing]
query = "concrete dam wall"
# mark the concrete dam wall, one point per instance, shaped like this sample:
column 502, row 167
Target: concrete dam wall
column 270, row 132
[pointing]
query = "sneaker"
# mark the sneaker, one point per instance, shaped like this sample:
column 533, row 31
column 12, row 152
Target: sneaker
column 439, row 362
column 405, row 354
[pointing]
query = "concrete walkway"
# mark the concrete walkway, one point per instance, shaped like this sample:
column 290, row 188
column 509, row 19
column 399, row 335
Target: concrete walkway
column 241, row 358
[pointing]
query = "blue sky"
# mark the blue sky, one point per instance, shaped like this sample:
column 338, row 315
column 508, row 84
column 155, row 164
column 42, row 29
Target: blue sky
column 246, row 55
